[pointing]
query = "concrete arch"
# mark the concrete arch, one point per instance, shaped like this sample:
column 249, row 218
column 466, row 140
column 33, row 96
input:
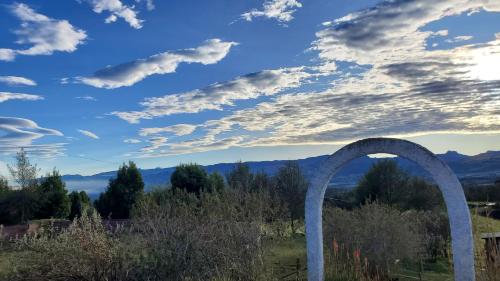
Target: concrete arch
column 458, row 211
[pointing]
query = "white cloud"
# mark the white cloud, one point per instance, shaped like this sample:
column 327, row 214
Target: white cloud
column 117, row 10
column 214, row 97
column 5, row 96
column 155, row 143
column 402, row 89
column 133, row 141
column 127, row 74
column 459, row 39
column 17, row 81
column 281, row 10
column 88, row 134
column 86, row 98
column 178, row 130
column 44, row 34
column 19, row 132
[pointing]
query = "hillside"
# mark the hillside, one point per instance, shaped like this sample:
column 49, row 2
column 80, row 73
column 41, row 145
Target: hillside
column 479, row 169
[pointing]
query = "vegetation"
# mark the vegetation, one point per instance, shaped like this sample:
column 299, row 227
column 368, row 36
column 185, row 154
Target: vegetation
column 122, row 193
column 248, row 226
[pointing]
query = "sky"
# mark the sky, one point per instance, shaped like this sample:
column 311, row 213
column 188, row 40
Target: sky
column 88, row 84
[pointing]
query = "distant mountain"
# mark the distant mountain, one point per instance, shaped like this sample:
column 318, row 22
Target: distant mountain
column 479, row 169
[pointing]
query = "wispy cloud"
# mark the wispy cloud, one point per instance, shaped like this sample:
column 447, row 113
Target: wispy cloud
column 214, row 97
column 127, row 74
column 19, row 132
column 280, row 10
column 88, row 134
column 17, row 81
column 178, row 130
column 133, row 141
column 459, row 39
column 86, row 98
column 5, row 96
column 400, row 87
column 117, row 10
column 44, row 34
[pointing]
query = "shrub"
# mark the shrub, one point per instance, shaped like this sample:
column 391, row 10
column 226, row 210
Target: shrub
column 383, row 234
column 84, row 251
column 185, row 237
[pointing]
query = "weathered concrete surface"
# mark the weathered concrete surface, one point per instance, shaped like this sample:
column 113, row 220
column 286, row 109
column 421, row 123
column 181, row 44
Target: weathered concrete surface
column 458, row 212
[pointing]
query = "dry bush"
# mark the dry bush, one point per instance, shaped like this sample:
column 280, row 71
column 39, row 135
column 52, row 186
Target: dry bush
column 211, row 237
column 380, row 233
column 84, row 251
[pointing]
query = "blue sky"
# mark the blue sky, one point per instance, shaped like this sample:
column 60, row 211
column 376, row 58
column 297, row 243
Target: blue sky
column 88, row 84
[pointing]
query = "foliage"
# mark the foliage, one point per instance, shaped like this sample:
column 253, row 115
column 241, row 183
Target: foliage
column 80, row 202
column 386, row 183
column 483, row 193
column 122, row 193
column 190, row 177
column 215, row 182
column 4, row 185
column 382, row 234
column 24, row 173
column 53, row 197
column 21, row 205
column 84, row 251
column 291, row 187
column 240, row 177
column 206, row 237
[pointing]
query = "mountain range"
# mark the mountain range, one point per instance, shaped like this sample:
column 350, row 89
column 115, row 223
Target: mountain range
column 483, row 168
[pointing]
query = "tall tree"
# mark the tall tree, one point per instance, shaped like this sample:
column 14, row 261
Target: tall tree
column 190, row 177
column 240, row 177
column 80, row 202
column 25, row 175
column 122, row 193
column 53, row 197
column 291, row 186
column 23, row 172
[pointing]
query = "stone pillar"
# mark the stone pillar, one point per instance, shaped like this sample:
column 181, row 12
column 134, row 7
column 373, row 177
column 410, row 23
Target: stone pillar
column 458, row 211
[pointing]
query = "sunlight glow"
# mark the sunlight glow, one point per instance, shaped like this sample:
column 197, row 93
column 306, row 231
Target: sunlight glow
column 486, row 66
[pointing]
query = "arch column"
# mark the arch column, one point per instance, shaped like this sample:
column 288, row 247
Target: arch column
column 451, row 189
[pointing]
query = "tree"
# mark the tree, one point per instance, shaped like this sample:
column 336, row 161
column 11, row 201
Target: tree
column 122, row 193
column 261, row 182
column 4, row 185
column 215, row 182
column 383, row 183
column 190, row 177
column 291, row 186
column 24, row 173
column 53, row 197
column 386, row 183
column 240, row 177
column 80, row 202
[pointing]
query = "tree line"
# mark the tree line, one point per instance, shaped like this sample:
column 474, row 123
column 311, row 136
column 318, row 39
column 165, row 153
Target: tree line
column 48, row 197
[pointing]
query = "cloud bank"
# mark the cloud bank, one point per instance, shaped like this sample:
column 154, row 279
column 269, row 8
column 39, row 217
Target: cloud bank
column 214, row 97
column 19, row 132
